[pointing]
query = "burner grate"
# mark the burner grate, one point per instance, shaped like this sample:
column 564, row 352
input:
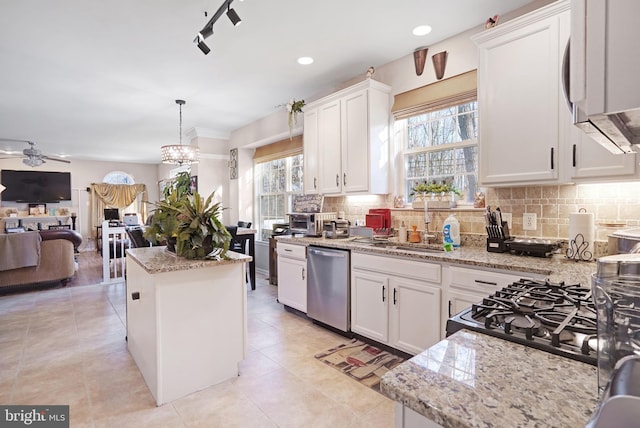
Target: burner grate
column 552, row 316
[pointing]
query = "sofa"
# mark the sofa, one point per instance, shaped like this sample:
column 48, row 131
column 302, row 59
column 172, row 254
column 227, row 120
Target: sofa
column 53, row 261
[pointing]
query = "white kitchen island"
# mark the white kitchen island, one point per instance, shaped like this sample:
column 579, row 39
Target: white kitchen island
column 186, row 320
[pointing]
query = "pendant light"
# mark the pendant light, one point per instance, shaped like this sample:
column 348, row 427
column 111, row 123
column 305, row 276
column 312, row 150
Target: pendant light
column 178, row 154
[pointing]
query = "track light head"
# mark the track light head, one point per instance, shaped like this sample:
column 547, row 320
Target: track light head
column 203, row 47
column 233, row 16
column 206, row 31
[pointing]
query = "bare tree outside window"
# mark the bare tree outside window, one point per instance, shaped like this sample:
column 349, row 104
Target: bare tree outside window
column 442, row 146
column 278, row 181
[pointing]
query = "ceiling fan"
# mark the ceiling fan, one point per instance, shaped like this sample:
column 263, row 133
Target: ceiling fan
column 32, row 156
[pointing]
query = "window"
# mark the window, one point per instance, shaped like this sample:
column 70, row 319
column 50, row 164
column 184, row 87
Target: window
column 121, row 177
column 441, row 146
column 118, row 177
column 277, row 180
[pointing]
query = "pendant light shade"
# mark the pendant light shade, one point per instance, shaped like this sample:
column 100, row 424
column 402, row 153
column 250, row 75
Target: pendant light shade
column 178, row 154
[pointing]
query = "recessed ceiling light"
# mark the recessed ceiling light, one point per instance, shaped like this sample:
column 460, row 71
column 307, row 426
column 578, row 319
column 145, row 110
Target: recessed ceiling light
column 305, row 60
column 421, row 30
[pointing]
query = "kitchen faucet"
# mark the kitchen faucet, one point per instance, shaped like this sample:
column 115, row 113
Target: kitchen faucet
column 427, row 220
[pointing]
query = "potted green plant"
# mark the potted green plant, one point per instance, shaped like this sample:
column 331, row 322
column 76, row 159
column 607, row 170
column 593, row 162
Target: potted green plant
column 189, row 224
column 436, row 190
column 163, row 227
column 200, row 230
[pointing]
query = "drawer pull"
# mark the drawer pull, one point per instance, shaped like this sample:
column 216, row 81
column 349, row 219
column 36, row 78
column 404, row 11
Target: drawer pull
column 288, row 249
column 479, row 281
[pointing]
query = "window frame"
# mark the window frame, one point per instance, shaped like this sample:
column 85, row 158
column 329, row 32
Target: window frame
column 263, row 234
column 401, row 128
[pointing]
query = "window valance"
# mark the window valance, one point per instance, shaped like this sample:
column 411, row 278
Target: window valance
column 278, row 150
column 445, row 93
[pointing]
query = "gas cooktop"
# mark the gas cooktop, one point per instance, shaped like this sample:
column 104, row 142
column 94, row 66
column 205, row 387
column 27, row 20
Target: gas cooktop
column 555, row 317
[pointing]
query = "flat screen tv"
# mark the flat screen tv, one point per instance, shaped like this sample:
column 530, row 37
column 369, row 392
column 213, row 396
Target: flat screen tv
column 35, row 186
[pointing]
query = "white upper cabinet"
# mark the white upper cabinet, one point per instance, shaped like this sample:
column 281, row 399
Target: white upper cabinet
column 310, row 158
column 349, row 133
column 527, row 134
column 589, row 160
column 329, row 142
column 355, row 142
column 518, row 98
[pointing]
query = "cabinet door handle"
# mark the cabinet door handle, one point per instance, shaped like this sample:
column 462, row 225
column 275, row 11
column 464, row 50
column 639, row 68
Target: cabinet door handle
column 344, row 179
column 337, row 180
column 315, row 183
column 449, row 309
column 383, row 288
column 302, row 273
column 552, row 165
column 395, row 300
column 574, row 155
column 479, row 281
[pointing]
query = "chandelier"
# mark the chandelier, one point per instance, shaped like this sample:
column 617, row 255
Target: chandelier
column 177, row 154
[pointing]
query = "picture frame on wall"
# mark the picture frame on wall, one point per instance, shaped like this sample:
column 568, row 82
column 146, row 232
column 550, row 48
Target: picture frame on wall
column 37, row 209
column 162, row 184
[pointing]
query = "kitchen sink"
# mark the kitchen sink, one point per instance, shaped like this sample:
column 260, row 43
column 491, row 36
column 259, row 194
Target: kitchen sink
column 416, row 249
column 395, row 246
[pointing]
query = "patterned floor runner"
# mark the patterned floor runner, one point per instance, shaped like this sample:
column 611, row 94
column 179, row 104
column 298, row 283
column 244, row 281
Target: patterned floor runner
column 362, row 362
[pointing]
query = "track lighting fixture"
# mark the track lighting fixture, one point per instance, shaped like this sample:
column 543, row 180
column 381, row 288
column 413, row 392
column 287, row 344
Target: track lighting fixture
column 207, row 30
column 203, row 47
column 233, row 16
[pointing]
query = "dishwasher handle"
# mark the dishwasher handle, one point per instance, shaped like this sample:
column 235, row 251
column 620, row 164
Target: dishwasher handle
column 338, row 254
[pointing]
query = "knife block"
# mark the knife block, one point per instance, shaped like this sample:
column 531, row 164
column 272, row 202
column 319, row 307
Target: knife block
column 498, row 245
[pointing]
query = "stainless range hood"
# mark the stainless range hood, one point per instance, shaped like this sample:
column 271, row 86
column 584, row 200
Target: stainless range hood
column 601, row 73
column 617, row 132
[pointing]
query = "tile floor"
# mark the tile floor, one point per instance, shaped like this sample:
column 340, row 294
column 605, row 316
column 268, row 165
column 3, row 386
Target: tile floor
column 66, row 346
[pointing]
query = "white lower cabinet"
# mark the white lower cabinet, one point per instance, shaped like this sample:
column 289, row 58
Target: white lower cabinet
column 414, row 321
column 292, row 276
column 396, row 301
column 369, row 304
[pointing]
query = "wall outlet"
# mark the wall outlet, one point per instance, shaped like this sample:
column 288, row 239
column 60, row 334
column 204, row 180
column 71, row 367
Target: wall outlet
column 529, row 221
column 507, row 217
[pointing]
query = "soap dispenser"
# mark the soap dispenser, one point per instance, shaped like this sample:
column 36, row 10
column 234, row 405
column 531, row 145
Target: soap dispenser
column 402, row 233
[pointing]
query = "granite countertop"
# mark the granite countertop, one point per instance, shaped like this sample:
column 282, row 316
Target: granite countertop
column 556, row 268
column 466, row 381
column 158, row 260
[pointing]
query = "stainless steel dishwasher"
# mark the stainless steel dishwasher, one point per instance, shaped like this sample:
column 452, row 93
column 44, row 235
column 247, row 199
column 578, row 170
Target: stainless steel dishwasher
column 328, row 287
